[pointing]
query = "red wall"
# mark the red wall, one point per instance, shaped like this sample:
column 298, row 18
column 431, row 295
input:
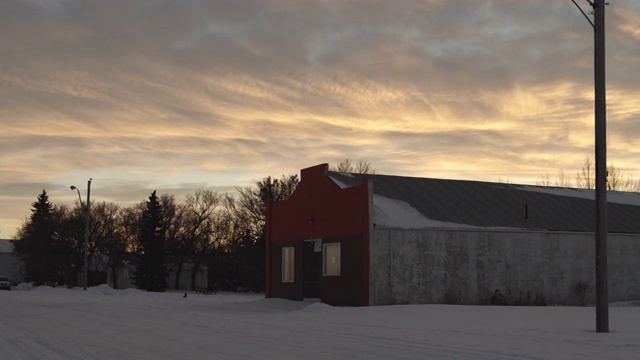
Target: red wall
column 319, row 209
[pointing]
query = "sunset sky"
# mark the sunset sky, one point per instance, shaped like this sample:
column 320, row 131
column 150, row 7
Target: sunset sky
column 177, row 95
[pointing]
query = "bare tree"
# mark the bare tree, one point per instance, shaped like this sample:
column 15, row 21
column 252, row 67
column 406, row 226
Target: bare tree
column 360, row 167
column 544, row 179
column 247, row 239
column 202, row 227
column 563, row 180
column 190, row 231
column 117, row 243
column 634, row 184
column 249, row 206
column 617, row 181
column 585, row 178
column 103, row 235
column 129, row 220
column 177, row 236
column 69, row 236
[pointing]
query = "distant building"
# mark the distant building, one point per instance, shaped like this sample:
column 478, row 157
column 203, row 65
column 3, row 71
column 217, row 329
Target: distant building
column 10, row 263
column 121, row 275
column 353, row 239
column 101, row 271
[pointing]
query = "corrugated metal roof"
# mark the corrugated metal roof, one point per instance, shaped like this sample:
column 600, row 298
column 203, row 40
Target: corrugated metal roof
column 486, row 204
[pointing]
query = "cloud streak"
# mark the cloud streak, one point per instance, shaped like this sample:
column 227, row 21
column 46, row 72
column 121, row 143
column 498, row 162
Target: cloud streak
column 168, row 94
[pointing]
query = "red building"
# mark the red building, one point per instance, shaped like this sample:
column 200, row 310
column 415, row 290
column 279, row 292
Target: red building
column 311, row 235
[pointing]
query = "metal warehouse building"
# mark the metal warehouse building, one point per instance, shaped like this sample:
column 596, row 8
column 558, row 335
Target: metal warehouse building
column 354, row 239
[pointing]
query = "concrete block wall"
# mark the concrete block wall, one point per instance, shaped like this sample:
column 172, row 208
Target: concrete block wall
column 489, row 266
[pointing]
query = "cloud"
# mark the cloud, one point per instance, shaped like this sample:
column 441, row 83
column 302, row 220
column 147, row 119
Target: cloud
column 177, row 94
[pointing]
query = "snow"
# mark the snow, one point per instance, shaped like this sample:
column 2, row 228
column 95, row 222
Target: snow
column 393, row 213
column 618, row 197
column 102, row 323
column 400, row 214
column 340, row 184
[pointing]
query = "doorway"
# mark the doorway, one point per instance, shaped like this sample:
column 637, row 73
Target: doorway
column 312, row 267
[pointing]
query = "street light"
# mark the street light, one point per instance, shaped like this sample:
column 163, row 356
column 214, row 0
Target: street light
column 86, row 230
column 79, row 197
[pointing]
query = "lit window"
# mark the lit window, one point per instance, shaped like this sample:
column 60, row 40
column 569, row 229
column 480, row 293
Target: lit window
column 288, row 264
column 331, row 261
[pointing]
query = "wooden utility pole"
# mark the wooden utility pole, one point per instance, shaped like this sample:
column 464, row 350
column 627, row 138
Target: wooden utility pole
column 602, row 287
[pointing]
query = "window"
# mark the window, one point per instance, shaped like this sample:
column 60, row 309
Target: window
column 288, row 263
column 331, row 260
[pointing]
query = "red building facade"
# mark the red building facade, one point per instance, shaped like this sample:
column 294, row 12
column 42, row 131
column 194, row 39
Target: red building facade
column 317, row 243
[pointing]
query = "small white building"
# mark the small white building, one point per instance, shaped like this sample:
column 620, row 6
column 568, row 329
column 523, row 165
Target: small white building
column 122, row 275
column 10, row 264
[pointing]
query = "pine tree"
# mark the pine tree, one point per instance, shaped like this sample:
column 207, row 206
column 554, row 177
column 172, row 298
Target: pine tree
column 151, row 274
column 35, row 242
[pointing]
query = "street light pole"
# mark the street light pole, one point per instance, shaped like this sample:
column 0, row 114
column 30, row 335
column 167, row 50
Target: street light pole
column 85, row 245
column 85, row 250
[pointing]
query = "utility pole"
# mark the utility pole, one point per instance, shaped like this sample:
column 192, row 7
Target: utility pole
column 602, row 287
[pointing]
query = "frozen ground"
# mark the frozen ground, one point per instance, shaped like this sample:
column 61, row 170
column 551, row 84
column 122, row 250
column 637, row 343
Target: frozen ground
column 101, row 323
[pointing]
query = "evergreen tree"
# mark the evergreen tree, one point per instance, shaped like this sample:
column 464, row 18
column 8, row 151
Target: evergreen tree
column 151, row 274
column 34, row 242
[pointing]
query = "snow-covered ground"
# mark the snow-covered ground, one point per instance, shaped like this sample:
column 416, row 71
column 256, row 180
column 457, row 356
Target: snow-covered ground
column 101, row 323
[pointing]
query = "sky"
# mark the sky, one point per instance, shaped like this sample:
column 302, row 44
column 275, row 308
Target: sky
column 179, row 95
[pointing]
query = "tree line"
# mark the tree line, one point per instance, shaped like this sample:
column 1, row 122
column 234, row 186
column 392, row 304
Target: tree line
column 224, row 233
column 585, row 178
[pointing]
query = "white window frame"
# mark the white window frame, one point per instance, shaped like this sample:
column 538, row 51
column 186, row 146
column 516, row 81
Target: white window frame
column 327, row 271
column 288, row 264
